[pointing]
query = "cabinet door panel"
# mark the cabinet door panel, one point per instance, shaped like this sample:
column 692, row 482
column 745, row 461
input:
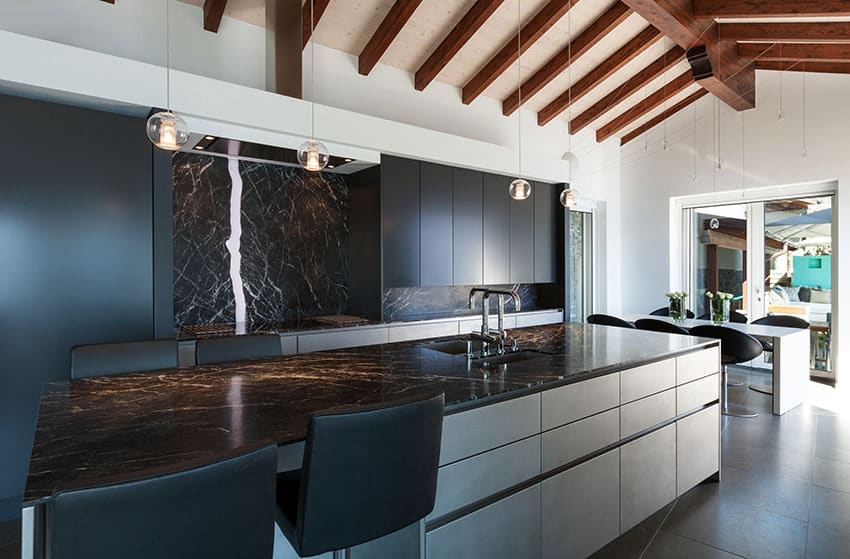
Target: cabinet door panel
column 697, row 448
column 497, row 230
column 580, row 508
column 545, row 232
column 522, row 239
column 647, row 476
column 468, row 266
column 400, row 221
column 435, row 197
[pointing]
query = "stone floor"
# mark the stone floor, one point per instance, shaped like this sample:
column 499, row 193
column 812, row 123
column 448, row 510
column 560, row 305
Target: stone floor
column 785, row 491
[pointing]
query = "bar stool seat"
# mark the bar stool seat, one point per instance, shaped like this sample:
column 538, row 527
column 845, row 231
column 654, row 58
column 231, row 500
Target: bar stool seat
column 367, row 471
column 609, row 320
column 655, row 325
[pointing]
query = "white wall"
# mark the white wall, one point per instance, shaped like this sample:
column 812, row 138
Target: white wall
column 771, row 155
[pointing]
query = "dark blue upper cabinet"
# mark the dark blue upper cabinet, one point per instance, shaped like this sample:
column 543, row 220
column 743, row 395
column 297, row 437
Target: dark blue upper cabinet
column 497, row 230
column 400, row 221
column 468, row 225
column 436, row 244
column 545, row 232
column 522, row 238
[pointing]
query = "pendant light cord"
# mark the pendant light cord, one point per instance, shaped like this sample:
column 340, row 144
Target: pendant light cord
column 168, row 55
column 312, row 71
column 570, row 97
column 519, row 85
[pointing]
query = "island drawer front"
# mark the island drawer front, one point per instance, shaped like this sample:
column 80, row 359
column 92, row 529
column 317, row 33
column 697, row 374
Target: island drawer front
column 472, row 432
column 474, row 324
column 465, row 482
column 647, row 412
column 506, row 529
column 576, row 401
column 422, row 331
column 337, row 340
column 647, row 476
column 693, row 366
column 697, row 448
column 570, row 442
column 647, row 379
column 698, row 393
column 539, row 319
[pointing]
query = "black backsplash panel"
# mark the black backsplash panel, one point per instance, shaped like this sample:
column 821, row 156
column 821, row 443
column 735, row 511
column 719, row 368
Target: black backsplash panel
column 294, row 243
column 419, row 303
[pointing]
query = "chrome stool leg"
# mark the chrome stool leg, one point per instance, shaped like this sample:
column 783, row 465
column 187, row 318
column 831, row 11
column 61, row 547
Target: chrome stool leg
column 733, row 411
column 763, row 388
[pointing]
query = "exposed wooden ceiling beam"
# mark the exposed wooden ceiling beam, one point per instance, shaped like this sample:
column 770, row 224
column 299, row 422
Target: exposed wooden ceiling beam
column 556, row 65
column 507, row 55
column 629, row 87
column 728, row 79
column 834, row 52
column 655, row 121
column 386, row 33
column 819, row 67
column 213, row 12
column 307, row 26
column 600, row 73
column 825, row 32
column 770, row 8
column 471, row 22
column 652, row 101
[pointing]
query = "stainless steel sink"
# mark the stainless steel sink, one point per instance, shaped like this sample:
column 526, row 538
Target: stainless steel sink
column 454, row 347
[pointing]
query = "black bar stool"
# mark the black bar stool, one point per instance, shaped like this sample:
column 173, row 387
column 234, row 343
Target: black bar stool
column 735, row 347
column 665, row 311
column 655, row 325
column 236, row 348
column 784, row 321
column 95, row 360
column 608, row 320
column 216, row 510
column 367, row 472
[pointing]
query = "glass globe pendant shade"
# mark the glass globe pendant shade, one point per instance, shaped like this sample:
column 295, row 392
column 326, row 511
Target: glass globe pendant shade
column 313, row 155
column 520, row 189
column 167, row 131
column 569, row 198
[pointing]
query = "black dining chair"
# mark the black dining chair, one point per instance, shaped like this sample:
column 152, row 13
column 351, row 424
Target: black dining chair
column 735, row 347
column 665, row 311
column 95, row 360
column 783, row 321
column 367, row 471
column 236, row 348
column 608, row 320
column 217, row 510
column 655, row 325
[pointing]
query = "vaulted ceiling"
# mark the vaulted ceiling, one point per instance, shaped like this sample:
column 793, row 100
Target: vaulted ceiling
column 617, row 67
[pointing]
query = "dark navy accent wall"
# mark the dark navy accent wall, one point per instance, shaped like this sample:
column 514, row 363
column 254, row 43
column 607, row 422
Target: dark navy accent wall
column 77, row 251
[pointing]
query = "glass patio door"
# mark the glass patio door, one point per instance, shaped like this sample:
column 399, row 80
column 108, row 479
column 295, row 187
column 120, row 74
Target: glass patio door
column 580, row 266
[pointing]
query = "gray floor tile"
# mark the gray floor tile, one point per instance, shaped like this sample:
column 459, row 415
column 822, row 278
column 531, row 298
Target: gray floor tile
column 825, row 543
column 830, row 508
column 633, row 543
column 786, row 496
column 703, row 516
column 672, row 546
column 831, row 474
column 766, row 460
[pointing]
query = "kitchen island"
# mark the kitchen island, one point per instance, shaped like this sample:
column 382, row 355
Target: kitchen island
column 553, row 456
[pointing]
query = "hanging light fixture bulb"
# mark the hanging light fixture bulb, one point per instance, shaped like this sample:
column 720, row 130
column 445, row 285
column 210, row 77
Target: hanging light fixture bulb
column 165, row 129
column 313, row 155
column 519, row 189
column 569, row 197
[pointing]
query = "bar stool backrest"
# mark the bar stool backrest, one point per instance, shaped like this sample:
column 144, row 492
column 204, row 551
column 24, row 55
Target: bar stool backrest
column 95, row 360
column 608, row 320
column 655, row 325
column 735, row 346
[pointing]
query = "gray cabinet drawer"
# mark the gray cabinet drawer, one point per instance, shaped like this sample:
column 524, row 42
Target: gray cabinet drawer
column 571, row 442
column 582, row 399
column 322, row 341
column 643, row 414
column 697, row 448
column 581, row 508
column 647, row 379
column 696, row 365
column 698, row 393
column 465, row 482
column 422, row 331
column 539, row 319
column 647, row 476
column 507, row 529
column 471, row 432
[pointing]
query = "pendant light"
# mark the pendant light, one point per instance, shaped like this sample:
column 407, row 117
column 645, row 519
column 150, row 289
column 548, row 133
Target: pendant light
column 312, row 154
column 804, row 152
column 165, row 129
column 569, row 196
column 520, row 189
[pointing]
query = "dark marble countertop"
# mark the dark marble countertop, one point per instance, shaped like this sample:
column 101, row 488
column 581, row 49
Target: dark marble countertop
column 118, row 427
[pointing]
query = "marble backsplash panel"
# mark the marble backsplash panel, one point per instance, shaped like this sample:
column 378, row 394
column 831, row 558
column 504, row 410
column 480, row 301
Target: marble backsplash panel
column 420, row 303
column 294, row 245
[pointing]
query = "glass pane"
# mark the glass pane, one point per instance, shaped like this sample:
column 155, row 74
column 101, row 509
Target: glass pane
column 720, row 255
column 580, row 265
